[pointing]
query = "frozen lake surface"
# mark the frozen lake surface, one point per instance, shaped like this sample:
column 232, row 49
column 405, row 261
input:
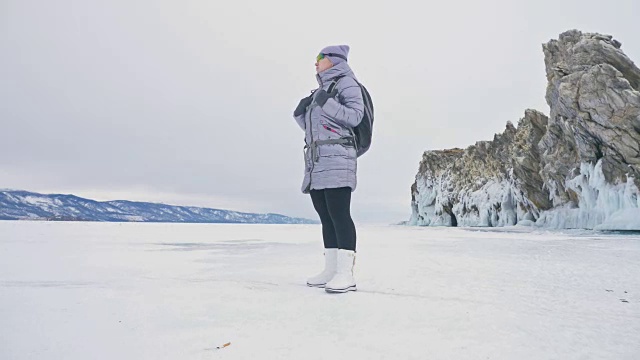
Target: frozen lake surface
column 177, row 291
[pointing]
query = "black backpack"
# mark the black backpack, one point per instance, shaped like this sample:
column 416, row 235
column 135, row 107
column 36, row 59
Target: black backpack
column 364, row 131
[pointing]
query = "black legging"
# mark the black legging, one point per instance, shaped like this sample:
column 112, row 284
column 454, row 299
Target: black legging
column 333, row 206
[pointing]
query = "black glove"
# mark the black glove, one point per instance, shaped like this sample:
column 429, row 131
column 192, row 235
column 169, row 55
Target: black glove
column 323, row 96
column 302, row 106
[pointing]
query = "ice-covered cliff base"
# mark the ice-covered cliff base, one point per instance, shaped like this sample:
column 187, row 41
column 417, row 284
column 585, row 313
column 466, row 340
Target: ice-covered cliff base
column 599, row 205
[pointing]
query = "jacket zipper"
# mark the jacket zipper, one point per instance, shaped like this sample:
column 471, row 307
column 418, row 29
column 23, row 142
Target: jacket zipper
column 309, row 148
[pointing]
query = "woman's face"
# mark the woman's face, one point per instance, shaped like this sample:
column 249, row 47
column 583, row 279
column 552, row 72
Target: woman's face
column 323, row 64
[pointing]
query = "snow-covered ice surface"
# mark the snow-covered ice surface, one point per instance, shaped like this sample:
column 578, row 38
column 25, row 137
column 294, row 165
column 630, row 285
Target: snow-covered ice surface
column 177, row 291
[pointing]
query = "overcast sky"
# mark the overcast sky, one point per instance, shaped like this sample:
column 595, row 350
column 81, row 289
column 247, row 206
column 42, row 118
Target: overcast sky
column 190, row 102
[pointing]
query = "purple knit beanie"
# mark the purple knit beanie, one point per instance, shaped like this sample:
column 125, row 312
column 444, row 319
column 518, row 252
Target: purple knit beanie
column 336, row 53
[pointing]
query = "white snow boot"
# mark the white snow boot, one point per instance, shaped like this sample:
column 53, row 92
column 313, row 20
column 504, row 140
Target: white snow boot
column 343, row 280
column 330, row 261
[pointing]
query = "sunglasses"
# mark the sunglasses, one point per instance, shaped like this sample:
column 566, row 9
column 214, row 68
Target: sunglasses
column 322, row 56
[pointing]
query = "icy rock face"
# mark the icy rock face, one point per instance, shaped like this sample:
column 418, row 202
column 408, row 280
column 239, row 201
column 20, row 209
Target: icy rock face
column 492, row 183
column 579, row 168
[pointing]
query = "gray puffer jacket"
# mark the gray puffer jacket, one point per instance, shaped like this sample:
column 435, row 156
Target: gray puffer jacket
column 332, row 165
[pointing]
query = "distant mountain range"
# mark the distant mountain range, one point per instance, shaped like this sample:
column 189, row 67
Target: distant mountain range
column 24, row 205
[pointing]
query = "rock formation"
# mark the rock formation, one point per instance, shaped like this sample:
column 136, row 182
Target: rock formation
column 577, row 168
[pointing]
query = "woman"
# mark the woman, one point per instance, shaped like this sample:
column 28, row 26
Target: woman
column 328, row 116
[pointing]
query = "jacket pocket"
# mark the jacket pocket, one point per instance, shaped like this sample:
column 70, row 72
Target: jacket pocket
column 330, row 130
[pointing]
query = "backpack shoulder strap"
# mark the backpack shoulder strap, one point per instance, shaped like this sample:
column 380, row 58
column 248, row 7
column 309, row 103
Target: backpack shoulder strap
column 334, row 83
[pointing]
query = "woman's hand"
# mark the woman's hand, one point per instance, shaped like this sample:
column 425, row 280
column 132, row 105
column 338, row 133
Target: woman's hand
column 323, row 96
column 302, row 106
